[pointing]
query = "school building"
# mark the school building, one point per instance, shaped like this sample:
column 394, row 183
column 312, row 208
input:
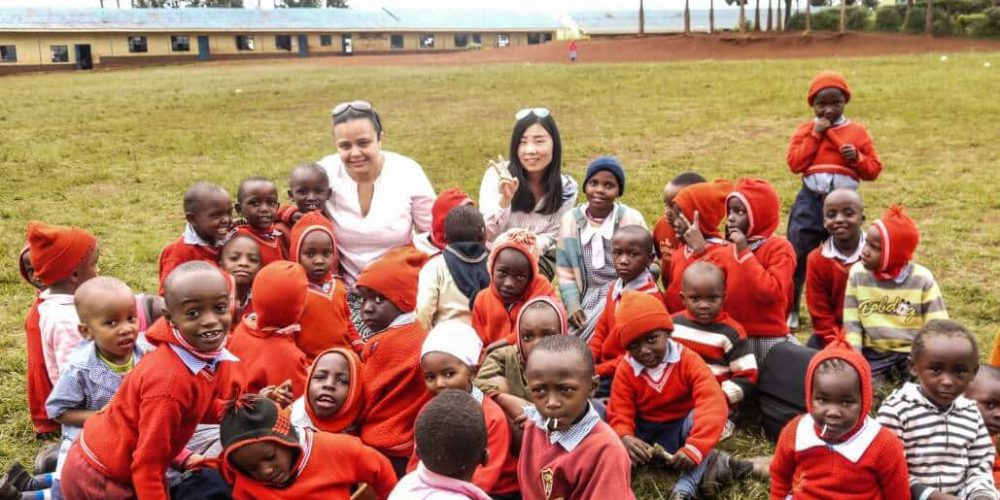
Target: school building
column 44, row 39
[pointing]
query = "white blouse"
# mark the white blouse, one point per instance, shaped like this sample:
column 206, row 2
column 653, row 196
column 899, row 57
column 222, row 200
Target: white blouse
column 499, row 220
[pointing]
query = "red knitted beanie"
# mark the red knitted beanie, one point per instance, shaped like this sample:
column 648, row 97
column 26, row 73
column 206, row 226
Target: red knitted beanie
column 394, row 276
column 762, row 204
column 279, row 294
column 825, row 80
column 447, row 200
column 638, row 314
column 57, row 251
column 709, row 200
column 900, row 238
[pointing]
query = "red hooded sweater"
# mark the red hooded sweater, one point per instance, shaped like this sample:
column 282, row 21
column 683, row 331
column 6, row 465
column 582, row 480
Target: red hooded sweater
column 179, row 252
column 604, row 345
column 153, row 416
column 493, row 318
column 272, row 242
column 866, row 463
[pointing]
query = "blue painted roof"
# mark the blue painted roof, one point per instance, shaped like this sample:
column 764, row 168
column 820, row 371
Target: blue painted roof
column 656, row 20
column 49, row 19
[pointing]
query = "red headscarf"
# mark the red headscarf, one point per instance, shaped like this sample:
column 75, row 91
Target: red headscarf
column 445, row 202
column 900, row 238
column 313, row 221
column 709, row 200
column 554, row 304
column 762, row 204
column 840, row 349
column 348, row 413
column 638, row 314
column 523, row 242
column 395, row 275
column 826, row 80
column 57, row 251
column 279, row 296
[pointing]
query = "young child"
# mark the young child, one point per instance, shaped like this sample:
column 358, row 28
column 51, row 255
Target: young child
column 434, row 242
column 985, row 391
column 240, row 257
column 125, row 449
column 837, row 450
column 449, row 359
column 309, row 189
column 829, row 264
column 663, row 230
column 708, row 331
column 450, row 281
column 948, row 447
column 38, row 385
column 514, row 280
column 584, row 261
column 393, row 382
column 266, row 458
column 326, row 321
column 451, row 441
column 567, row 451
column 209, row 214
column 333, row 398
column 829, row 152
column 888, row 297
column 759, row 269
column 264, row 341
column 257, row 202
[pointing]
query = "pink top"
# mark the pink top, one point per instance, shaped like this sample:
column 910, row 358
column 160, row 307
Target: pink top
column 424, row 484
column 58, row 323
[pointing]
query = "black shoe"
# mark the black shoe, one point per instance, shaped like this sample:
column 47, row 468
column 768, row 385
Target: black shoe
column 681, row 495
column 17, row 477
column 718, row 473
column 47, row 459
column 8, row 492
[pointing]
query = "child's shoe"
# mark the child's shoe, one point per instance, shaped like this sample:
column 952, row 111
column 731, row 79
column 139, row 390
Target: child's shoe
column 17, row 477
column 47, row 459
column 8, row 492
column 722, row 468
column 681, row 495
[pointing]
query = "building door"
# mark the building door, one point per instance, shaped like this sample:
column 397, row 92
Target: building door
column 203, row 52
column 84, row 60
column 303, row 45
column 348, row 48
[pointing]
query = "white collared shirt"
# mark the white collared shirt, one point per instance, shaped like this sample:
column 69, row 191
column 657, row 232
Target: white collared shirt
column 570, row 438
column 830, row 251
column 595, row 235
column 852, row 449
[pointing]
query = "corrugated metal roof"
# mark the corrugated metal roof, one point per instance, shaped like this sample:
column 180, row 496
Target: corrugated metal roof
column 48, row 19
column 656, row 20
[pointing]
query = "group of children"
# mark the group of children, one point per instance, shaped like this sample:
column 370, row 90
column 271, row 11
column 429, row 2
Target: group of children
column 474, row 378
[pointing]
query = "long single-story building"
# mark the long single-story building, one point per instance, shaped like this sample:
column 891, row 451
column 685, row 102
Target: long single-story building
column 42, row 39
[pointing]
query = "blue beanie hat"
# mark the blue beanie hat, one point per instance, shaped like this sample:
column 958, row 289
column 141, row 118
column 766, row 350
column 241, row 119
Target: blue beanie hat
column 611, row 164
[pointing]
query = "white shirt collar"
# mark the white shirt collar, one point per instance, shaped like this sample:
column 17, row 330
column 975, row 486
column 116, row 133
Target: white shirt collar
column 63, row 299
column 639, row 283
column 852, row 449
column 570, row 438
column 402, row 319
column 672, row 356
column 595, row 235
column 191, row 237
column 830, row 251
column 197, row 365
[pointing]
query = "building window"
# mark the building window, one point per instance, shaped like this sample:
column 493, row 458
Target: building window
column 534, row 38
column 547, row 37
column 283, row 42
column 180, row 44
column 461, row 41
column 503, row 41
column 60, row 53
column 244, row 42
column 477, row 39
column 426, row 41
column 137, row 44
column 396, row 42
column 325, row 40
column 8, row 53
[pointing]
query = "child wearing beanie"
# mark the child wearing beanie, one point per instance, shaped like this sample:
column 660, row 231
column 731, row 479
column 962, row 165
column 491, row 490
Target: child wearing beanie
column 38, row 385
column 333, row 398
column 837, row 450
column 889, row 298
column 829, row 152
column 433, row 242
column 266, row 458
column 583, row 254
column 208, row 210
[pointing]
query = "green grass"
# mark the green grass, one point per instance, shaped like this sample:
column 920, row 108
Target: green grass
column 113, row 151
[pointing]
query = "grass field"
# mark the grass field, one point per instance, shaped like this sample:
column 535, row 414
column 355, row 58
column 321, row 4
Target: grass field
column 113, row 151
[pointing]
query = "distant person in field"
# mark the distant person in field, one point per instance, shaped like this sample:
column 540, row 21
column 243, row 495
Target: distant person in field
column 208, row 211
column 529, row 191
column 829, row 152
column 573, row 49
column 663, row 230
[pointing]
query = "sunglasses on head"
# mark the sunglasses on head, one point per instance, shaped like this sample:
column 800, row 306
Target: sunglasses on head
column 539, row 112
column 362, row 106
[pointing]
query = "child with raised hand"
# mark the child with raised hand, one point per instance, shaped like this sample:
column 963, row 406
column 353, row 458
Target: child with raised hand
column 265, row 457
column 208, row 211
column 663, row 230
column 889, row 298
column 240, row 257
column 257, row 202
column 830, row 263
column 836, row 450
column 38, row 385
column 326, row 321
column 451, row 441
column 309, row 189
column 567, row 450
column 947, row 445
column 829, row 152
column 333, row 398
column 125, row 449
column 434, row 242
column 451, row 280
column 584, row 261
column 985, row 391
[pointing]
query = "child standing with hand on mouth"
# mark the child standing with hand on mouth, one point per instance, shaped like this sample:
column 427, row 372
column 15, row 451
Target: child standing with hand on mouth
column 209, row 214
column 257, row 202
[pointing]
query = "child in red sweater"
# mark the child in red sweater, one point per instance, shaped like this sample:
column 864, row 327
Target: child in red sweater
column 266, row 458
column 837, row 450
column 209, row 214
column 829, row 152
column 985, row 391
column 333, row 398
column 830, row 264
column 240, row 257
column 268, row 335
column 309, row 189
column 326, row 322
column 567, row 450
column 124, row 450
column 36, row 378
column 663, row 231
column 257, row 202
column 393, row 381
column 759, row 269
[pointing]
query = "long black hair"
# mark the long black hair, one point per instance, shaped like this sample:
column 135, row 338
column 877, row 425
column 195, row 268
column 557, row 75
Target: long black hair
column 524, row 200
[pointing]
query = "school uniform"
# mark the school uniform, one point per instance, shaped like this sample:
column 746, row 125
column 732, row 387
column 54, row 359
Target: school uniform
column 492, row 316
column 273, row 243
column 345, row 420
column 826, row 284
column 666, row 243
column 722, row 344
column 604, row 344
column 190, row 246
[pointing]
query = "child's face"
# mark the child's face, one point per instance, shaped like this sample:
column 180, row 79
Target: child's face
column 377, row 311
column 842, row 216
column 669, row 193
column 511, row 274
column 985, row 391
column 703, row 295
column 198, row 306
column 112, row 323
column 650, row 349
column 258, row 203
column 737, row 217
column 214, row 217
column 265, row 461
column 241, row 259
column 829, row 103
column 836, row 402
column 602, row 190
column 30, row 271
column 309, row 190
column 444, row 371
column 631, row 255
column 559, row 386
column 945, row 367
column 329, row 385
column 316, row 255
column 871, row 253
column 680, row 225
column 536, row 323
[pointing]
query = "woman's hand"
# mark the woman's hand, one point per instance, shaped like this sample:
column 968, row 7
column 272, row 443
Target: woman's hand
column 507, row 189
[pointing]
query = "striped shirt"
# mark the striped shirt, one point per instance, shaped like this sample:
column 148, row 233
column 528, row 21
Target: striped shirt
column 886, row 315
column 948, row 450
column 724, row 347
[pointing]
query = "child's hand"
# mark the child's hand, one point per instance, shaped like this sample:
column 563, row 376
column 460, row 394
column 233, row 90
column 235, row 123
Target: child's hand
column 739, row 238
column 577, row 319
column 849, row 152
column 692, row 236
column 513, row 407
column 638, row 450
column 282, row 394
column 194, row 461
column 821, row 125
column 683, row 462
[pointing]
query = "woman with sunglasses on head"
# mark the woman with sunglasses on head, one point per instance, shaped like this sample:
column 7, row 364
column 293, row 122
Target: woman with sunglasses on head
column 529, row 191
column 379, row 198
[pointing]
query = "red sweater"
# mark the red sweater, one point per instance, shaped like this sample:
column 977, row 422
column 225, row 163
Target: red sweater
column 394, row 388
column 326, row 321
column 811, row 153
column 666, row 243
column 330, row 465
column 179, row 252
column 758, row 286
column 820, row 473
column 686, row 385
column 494, row 320
column 153, row 416
column 39, row 385
column 996, row 463
column 679, row 262
column 598, row 468
column 272, row 242
column 826, row 283
column 604, row 345
column 267, row 359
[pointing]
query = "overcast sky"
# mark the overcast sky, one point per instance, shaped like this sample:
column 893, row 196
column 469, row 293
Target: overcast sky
column 547, row 5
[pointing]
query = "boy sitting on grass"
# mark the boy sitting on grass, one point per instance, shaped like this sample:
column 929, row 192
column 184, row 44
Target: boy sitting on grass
column 208, row 211
column 257, row 202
